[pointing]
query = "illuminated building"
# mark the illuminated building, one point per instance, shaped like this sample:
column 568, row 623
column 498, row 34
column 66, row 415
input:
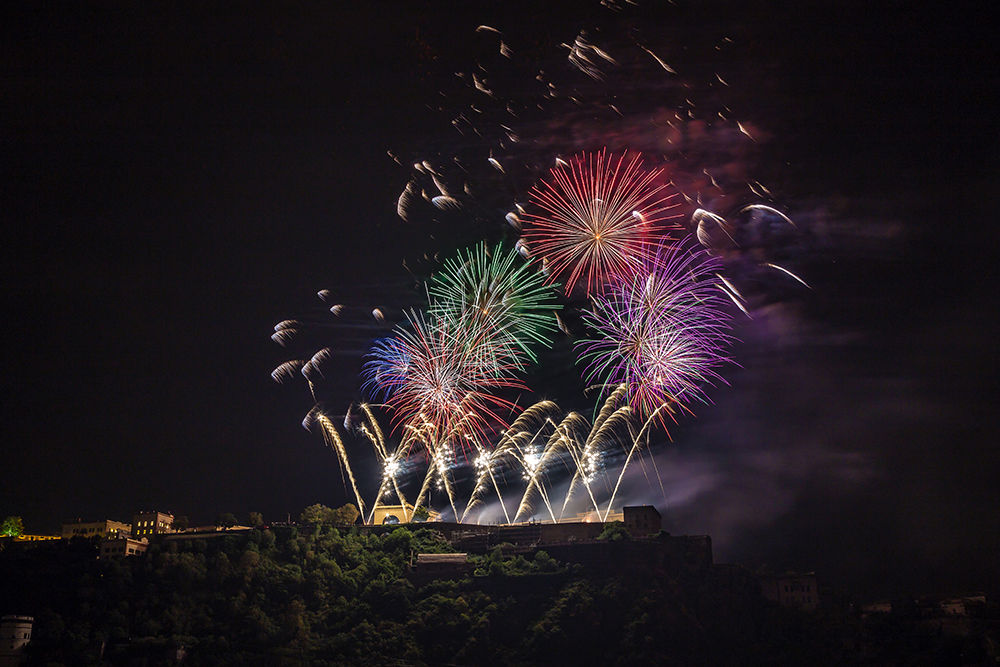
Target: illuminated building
column 147, row 524
column 15, row 633
column 94, row 528
column 397, row 514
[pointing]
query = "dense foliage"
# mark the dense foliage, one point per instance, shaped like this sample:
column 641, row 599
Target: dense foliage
column 12, row 527
column 328, row 596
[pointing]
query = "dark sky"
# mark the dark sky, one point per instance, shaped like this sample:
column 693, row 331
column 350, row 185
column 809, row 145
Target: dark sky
column 175, row 180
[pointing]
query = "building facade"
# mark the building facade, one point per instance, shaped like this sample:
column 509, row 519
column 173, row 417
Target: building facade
column 792, row 590
column 122, row 546
column 642, row 520
column 94, row 529
column 148, row 524
column 15, row 633
column 390, row 514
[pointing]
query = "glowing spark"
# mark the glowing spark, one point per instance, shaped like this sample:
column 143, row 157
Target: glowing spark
column 658, row 59
column 784, row 270
column 768, row 209
column 283, row 336
column 445, row 203
column 287, row 371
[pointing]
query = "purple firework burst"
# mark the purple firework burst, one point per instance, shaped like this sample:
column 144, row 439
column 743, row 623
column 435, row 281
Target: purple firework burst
column 661, row 333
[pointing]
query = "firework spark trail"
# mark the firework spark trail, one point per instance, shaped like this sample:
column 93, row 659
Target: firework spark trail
column 590, row 453
column 768, row 209
column 534, row 417
column 533, row 464
column 537, row 465
column 287, row 371
column 588, row 463
column 484, row 469
column 784, row 270
column 662, row 333
column 379, row 436
column 587, row 454
column 390, row 460
column 601, row 221
column 636, row 445
column 706, row 222
column 337, row 445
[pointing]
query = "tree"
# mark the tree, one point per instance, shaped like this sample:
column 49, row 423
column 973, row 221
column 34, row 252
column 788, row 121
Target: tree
column 255, row 519
column 180, row 523
column 421, row 514
column 227, row 520
column 614, row 532
column 317, row 514
column 12, row 526
column 346, row 515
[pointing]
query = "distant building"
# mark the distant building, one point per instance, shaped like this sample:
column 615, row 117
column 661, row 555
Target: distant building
column 880, row 607
column 148, row 524
column 960, row 606
column 106, row 528
column 122, row 546
column 792, row 590
column 429, row 567
column 389, row 514
column 15, row 633
column 642, row 520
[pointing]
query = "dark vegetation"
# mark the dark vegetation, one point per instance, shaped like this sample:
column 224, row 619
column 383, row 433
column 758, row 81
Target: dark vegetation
column 328, row 596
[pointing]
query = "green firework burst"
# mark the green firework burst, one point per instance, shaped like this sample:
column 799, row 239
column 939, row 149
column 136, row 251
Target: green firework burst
column 495, row 291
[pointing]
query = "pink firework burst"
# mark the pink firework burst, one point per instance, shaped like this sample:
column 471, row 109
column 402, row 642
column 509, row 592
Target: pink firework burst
column 662, row 333
column 603, row 219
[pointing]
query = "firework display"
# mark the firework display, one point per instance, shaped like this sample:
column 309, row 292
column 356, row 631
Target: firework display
column 621, row 254
column 493, row 292
column 438, row 374
column 661, row 333
column 603, row 219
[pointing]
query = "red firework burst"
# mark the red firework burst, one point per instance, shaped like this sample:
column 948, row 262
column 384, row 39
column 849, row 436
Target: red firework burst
column 603, row 219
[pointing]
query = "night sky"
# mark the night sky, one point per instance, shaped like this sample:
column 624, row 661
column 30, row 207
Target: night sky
column 176, row 179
